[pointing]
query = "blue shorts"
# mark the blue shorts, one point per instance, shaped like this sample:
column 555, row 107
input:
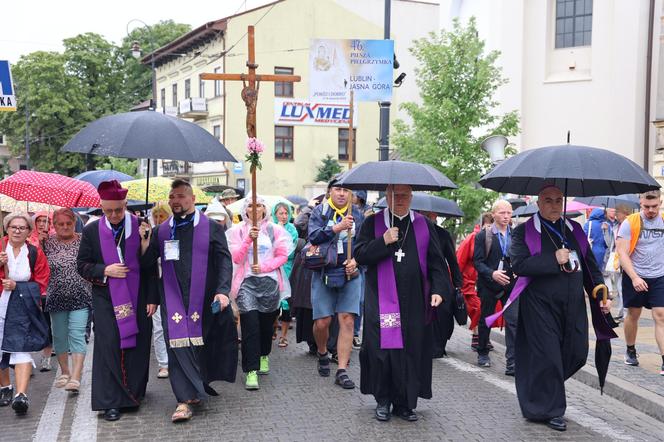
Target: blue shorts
column 654, row 297
column 327, row 301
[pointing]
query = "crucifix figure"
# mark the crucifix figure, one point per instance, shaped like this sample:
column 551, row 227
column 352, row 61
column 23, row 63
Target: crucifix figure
column 399, row 254
column 250, row 82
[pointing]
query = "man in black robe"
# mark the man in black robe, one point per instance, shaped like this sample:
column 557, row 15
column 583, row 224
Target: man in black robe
column 122, row 330
column 397, row 341
column 552, row 331
column 194, row 360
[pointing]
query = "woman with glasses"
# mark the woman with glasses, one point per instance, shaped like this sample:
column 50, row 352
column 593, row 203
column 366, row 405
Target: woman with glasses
column 25, row 273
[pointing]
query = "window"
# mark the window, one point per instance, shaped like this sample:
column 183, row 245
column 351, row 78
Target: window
column 201, row 88
column 574, row 20
column 187, row 88
column 217, row 84
column 216, row 131
column 175, row 95
column 343, row 144
column 283, row 88
column 163, row 98
column 283, row 142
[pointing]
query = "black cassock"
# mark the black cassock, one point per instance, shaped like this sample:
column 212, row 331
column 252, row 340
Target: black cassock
column 552, row 332
column 119, row 377
column 399, row 376
column 191, row 369
column 443, row 326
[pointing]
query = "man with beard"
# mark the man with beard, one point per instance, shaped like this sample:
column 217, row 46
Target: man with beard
column 405, row 282
column 109, row 257
column 200, row 332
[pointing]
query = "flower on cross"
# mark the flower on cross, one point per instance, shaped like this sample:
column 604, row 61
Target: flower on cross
column 254, row 148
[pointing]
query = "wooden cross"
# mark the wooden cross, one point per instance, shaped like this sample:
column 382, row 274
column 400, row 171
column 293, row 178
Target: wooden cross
column 250, row 85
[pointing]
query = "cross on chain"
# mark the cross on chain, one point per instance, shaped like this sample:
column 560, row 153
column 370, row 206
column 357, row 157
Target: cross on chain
column 399, row 254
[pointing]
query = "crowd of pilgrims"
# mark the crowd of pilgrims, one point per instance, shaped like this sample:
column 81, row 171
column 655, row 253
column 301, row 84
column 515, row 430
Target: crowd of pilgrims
column 185, row 282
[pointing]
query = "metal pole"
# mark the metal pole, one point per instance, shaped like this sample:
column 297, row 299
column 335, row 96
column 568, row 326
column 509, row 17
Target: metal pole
column 384, row 136
column 27, row 135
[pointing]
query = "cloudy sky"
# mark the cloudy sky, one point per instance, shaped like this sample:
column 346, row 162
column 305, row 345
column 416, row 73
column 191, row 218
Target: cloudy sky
column 29, row 26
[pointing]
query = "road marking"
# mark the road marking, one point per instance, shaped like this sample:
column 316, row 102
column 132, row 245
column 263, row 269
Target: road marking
column 579, row 416
column 51, row 418
column 84, row 426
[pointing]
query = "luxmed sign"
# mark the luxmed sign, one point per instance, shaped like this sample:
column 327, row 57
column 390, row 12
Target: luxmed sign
column 292, row 112
column 7, row 98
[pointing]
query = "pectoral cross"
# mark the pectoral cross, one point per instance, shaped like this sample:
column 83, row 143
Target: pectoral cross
column 399, row 254
column 250, row 98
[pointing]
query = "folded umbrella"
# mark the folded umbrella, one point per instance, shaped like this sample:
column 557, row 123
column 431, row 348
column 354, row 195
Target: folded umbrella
column 430, row 203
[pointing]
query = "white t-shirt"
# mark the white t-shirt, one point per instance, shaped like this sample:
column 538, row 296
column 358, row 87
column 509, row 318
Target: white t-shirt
column 648, row 255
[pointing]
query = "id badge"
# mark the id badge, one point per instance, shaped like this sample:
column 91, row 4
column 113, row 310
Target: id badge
column 340, row 247
column 172, row 250
column 120, row 254
column 501, row 265
column 574, row 260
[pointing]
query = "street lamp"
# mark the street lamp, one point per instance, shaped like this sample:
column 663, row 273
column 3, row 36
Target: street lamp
column 495, row 146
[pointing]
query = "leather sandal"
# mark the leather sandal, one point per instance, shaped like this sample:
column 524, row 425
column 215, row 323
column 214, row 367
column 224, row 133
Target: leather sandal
column 182, row 413
column 61, row 380
column 73, row 385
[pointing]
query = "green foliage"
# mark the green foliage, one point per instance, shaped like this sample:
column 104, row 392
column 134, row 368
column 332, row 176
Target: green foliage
column 457, row 81
column 65, row 91
column 130, row 167
column 328, row 168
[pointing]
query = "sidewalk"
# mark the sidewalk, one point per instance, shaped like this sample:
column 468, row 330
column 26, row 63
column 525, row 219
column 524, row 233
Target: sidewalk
column 639, row 387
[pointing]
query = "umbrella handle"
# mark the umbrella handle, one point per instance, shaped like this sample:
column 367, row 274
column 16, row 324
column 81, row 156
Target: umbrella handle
column 605, row 292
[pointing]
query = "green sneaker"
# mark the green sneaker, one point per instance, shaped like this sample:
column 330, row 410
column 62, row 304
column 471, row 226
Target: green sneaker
column 252, row 381
column 265, row 365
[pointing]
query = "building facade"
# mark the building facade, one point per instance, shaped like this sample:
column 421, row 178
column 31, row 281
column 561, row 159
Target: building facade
column 283, row 31
column 579, row 66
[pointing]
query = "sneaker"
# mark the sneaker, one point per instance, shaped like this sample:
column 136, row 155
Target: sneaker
column 661, row 372
column 265, row 365
column 20, row 404
column 6, row 394
column 483, row 361
column 45, row 364
column 356, row 342
column 631, row 358
column 251, row 382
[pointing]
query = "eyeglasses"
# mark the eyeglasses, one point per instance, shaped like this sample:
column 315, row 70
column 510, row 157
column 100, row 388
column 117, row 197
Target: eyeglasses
column 18, row 228
column 118, row 211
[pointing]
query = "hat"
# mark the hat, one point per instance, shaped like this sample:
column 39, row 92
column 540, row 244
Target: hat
column 229, row 193
column 111, row 191
column 335, row 179
column 216, row 211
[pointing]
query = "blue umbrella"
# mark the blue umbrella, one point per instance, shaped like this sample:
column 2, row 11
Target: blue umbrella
column 95, row 177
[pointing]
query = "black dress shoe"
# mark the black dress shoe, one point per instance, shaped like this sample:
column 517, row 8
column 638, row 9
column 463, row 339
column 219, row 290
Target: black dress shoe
column 406, row 414
column 112, row 414
column 383, row 412
column 509, row 371
column 20, row 404
column 557, row 423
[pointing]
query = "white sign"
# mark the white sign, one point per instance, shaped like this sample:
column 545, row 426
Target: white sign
column 294, row 112
column 7, row 96
column 338, row 66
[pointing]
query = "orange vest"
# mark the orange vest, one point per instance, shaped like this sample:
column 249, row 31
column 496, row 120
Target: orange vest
column 635, row 224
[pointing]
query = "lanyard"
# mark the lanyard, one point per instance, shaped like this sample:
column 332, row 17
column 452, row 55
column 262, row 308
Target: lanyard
column 177, row 224
column 117, row 232
column 552, row 228
column 504, row 246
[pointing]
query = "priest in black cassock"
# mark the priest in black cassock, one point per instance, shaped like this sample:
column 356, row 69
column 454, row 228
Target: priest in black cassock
column 405, row 282
column 109, row 257
column 552, row 332
column 196, row 272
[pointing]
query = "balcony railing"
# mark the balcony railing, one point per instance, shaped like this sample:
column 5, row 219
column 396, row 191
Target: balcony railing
column 169, row 110
column 195, row 108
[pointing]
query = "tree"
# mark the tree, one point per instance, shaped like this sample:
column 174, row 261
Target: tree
column 130, row 167
column 328, row 168
column 457, row 81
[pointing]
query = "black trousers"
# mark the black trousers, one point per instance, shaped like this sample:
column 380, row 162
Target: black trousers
column 257, row 329
column 489, row 300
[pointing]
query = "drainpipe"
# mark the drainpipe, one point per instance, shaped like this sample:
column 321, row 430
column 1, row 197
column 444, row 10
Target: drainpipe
column 223, row 117
column 647, row 122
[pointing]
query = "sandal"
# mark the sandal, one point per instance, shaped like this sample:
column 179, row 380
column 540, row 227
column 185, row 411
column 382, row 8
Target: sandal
column 194, row 402
column 182, row 413
column 61, row 380
column 343, row 380
column 283, row 342
column 73, row 385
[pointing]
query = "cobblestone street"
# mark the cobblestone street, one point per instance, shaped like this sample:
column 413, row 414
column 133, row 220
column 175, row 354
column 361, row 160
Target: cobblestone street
column 294, row 403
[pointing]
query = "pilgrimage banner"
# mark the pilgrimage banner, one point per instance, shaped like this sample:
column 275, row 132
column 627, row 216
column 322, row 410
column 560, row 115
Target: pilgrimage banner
column 338, row 66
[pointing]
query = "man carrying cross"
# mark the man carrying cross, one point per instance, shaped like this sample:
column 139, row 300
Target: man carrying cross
column 404, row 283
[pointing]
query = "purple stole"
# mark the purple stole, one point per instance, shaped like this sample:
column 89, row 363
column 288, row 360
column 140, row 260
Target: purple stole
column 124, row 291
column 185, row 326
column 533, row 240
column 388, row 299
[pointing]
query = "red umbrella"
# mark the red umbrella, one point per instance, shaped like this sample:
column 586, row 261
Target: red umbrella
column 49, row 188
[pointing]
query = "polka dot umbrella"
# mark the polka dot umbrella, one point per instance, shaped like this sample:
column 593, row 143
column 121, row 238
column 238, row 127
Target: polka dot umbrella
column 49, row 188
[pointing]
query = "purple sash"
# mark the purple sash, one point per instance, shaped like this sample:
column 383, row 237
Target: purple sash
column 388, row 299
column 124, row 291
column 533, row 240
column 185, row 327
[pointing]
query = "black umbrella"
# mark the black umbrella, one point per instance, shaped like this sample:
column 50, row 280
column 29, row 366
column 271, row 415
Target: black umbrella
column 517, row 202
column 95, row 177
column 532, row 209
column 630, row 200
column 603, row 346
column 430, row 203
column 132, row 205
column 376, row 175
column 148, row 134
column 297, row 200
